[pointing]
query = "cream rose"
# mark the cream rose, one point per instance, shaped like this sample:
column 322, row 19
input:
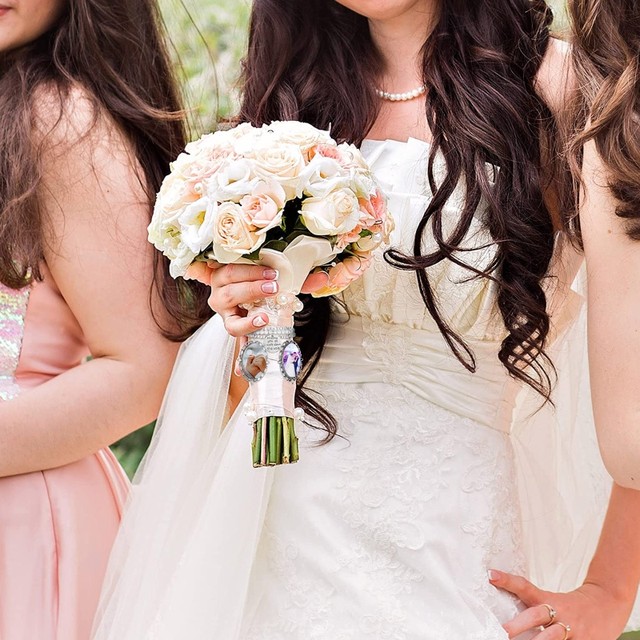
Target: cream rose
column 175, row 192
column 232, row 233
column 300, row 134
column 283, row 163
column 337, row 213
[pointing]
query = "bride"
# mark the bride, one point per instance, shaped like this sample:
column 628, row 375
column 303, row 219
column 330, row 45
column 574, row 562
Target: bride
column 432, row 483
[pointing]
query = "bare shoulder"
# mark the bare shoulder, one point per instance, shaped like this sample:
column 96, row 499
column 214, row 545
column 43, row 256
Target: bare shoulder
column 90, row 170
column 556, row 82
column 72, row 120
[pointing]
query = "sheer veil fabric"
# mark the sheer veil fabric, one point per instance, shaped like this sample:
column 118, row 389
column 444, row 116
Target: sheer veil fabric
column 185, row 560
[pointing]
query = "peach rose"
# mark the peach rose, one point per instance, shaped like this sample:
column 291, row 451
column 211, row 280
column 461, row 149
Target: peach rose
column 280, row 162
column 263, row 208
column 342, row 274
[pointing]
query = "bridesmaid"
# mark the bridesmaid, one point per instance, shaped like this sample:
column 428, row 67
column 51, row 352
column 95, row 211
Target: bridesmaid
column 607, row 34
column 89, row 118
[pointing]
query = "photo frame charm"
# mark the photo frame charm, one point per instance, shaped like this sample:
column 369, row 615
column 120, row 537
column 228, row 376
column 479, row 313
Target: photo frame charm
column 290, row 361
column 253, row 361
column 271, row 362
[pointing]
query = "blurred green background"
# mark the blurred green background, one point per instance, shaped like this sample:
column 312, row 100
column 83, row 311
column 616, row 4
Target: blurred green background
column 209, row 75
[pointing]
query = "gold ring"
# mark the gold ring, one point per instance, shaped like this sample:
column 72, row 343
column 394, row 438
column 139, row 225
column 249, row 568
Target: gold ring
column 566, row 628
column 552, row 614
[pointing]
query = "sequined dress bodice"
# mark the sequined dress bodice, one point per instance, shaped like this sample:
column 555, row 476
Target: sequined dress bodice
column 13, row 309
column 40, row 337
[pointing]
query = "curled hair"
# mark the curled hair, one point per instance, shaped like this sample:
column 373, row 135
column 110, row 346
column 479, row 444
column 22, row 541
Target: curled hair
column 115, row 52
column 606, row 59
column 317, row 63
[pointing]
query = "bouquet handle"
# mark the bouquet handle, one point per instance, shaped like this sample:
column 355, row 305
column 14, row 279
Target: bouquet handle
column 271, row 361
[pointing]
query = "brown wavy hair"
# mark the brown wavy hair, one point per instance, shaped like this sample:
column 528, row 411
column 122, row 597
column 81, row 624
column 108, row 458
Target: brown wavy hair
column 606, row 59
column 317, row 63
column 115, row 51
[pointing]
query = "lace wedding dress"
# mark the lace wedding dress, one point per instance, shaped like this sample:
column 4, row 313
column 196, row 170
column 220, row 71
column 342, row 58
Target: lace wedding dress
column 387, row 531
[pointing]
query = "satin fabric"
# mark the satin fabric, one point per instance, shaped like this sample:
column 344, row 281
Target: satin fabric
column 56, row 526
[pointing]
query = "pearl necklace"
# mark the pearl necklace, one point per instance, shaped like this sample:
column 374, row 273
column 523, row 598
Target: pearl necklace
column 402, row 97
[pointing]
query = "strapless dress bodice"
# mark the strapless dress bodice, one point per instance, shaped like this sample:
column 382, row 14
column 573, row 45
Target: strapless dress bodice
column 39, row 336
column 388, row 335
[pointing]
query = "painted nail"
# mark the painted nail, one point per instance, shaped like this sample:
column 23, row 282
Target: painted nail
column 493, row 575
column 269, row 287
column 270, row 274
column 258, row 321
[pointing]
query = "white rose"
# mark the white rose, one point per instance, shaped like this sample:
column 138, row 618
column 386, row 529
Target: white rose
column 232, row 234
column 221, row 140
column 232, row 181
column 352, row 156
column 363, row 183
column 335, row 214
column 323, row 175
column 180, row 262
column 281, row 162
column 196, row 224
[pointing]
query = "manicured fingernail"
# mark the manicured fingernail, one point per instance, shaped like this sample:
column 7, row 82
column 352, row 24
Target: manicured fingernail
column 269, row 287
column 493, row 575
column 270, row 274
column 258, row 321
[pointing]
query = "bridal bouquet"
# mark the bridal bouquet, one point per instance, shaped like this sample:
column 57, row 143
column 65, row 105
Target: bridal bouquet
column 286, row 196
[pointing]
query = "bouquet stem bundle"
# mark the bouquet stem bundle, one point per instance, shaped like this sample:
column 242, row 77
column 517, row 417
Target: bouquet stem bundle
column 274, row 441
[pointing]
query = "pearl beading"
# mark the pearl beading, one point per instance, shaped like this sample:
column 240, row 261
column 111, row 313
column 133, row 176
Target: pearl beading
column 402, row 97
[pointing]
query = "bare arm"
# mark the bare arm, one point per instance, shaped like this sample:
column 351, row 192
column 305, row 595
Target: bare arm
column 600, row 608
column 613, row 267
column 96, row 217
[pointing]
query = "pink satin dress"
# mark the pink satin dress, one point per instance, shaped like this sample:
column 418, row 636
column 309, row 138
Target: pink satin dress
column 56, row 526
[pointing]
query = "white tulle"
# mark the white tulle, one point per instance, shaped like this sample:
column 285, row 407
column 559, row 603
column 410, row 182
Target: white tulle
column 387, row 534
column 196, row 507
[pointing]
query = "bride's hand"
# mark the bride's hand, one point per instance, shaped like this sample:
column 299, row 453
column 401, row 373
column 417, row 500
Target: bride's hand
column 590, row 612
column 233, row 285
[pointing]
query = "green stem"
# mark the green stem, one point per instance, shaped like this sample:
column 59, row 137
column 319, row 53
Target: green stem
column 274, row 441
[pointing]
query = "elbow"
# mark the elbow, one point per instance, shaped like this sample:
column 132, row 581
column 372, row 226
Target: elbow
column 144, row 383
column 621, row 456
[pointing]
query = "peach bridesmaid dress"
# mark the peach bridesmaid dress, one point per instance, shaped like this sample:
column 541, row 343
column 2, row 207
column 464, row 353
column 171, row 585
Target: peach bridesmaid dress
column 56, row 526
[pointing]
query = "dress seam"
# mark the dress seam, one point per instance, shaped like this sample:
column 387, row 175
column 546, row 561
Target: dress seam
column 57, row 552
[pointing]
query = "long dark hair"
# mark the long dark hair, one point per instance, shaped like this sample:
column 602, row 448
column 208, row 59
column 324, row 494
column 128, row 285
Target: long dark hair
column 317, row 63
column 606, row 57
column 114, row 50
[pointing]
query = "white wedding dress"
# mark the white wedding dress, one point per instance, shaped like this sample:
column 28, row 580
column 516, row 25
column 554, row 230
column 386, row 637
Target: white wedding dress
column 387, row 531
